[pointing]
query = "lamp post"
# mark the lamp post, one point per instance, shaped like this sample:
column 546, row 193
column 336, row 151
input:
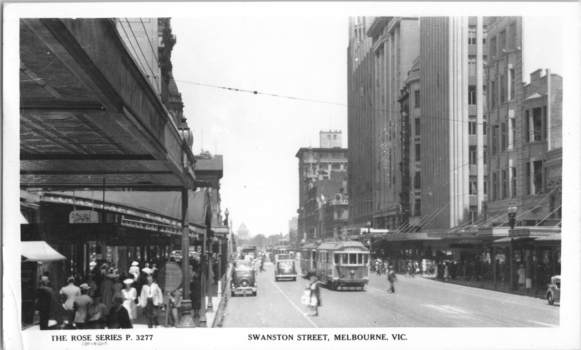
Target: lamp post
column 512, row 210
column 368, row 225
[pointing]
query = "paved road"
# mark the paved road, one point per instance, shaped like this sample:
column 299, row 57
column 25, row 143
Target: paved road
column 418, row 302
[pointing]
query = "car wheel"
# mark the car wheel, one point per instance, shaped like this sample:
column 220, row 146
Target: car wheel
column 233, row 294
column 550, row 299
column 254, row 294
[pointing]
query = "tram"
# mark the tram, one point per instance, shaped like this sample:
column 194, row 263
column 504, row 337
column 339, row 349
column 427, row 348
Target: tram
column 282, row 251
column 338, row 264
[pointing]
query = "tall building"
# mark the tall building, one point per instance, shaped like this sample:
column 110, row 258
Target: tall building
column 453, row 108
column 395, row 46
column 361, row 121
column 525, row 131
column 327, row 164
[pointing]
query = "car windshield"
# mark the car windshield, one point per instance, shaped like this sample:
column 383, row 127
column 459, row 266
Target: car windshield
column 241, row 263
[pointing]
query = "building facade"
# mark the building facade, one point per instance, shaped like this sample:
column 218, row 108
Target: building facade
column 452, row 83
column 327, row 164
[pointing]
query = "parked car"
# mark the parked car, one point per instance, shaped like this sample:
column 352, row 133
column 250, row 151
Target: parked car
column 285, row 269
column 243, row 279
column 554, row 291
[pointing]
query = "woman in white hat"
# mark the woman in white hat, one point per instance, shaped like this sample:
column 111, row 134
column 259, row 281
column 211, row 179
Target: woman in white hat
column 129, row 296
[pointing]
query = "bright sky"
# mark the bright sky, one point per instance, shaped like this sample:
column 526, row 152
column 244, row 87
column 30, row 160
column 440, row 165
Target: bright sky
column 259, row 135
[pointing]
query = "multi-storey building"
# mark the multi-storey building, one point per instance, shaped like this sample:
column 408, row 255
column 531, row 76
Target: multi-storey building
column 395, row 45
column 453, row 108
column 524, row 131
column 335, row 215
column 363, row 144
column 328, row 162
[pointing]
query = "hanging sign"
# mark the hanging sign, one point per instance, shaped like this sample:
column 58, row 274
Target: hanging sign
column 170, row 277
column 83, row 217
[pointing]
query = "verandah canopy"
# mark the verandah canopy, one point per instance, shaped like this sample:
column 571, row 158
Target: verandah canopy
column 39, row 251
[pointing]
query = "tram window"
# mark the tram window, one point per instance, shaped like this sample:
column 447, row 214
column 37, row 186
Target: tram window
column 360, row 259
column 337, row 259
column 345, row 259
column 352, row 258
column 365, row 258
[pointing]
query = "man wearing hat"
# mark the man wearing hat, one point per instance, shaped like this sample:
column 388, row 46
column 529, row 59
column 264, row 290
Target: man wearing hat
column 70, row 292
column 81, row 305
column 44, row 300
column 118, row 316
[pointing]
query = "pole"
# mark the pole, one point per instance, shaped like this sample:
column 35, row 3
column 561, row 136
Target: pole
column 186, row 320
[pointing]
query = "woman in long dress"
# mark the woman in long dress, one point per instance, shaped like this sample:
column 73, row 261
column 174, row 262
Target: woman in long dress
column 129, row 296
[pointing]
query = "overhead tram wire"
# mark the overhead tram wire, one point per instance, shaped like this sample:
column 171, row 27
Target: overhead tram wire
column 130, row 43
column 149, row 41
column 141, row 50
column 255, row 92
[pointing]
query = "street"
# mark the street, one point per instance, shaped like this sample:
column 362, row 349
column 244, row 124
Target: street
column 418, row 302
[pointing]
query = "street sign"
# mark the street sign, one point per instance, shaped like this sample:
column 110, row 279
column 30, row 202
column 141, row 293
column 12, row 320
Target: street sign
column 170, row 277
column 83, row 217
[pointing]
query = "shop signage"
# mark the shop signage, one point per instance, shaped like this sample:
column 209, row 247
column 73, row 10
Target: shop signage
column 525, row 232
column 150, row 226
column 83, row 217
column 170, row 277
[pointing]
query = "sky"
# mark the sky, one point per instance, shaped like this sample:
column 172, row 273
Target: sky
column 258, row 135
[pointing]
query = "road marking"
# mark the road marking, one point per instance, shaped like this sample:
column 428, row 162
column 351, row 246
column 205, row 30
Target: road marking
column 545, row 324
column 293, row 304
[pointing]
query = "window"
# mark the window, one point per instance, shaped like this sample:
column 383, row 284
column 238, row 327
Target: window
column 537, row 124
column 512, row 81
column 494, row 143
column 472, row 95
column 418, row 158
column 485, row 187
column 473, row 186
column 492, row 94
column 485, row 152
column 418, row 207
column 527, row 127
column 472, row 154
column 334, row 137
column 538, row 176
column 504, row 184
column 545, row 125
column 503, row 137
column 512, row 143
column 417, row 126
column 417, row 180
column 484, row 36
column 493, row 47
column 352, row 258
column 494, row 187
column 472, row 65
column 528, row 172
column 513, row 182
column 502, row 41
column 471, row 36
column 417, row 99
column 484, row 131
column 502, row 89
column 512, row 32
column 471, row 128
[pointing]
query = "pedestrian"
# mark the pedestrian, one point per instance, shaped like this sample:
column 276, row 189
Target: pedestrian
column 262, row 264
column 44, row 296
column 81, row 305
column 107, row 288
column 129, row 296
column 417, row 268
column 70, row 292
column 97, row 314
column 392, row 278
column 306, row 299
column 175, row 301
column 118, row 317
column 195, row 296
column 150, row 300
column 521, row 276
column 315, row 296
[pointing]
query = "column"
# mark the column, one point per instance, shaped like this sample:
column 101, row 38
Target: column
column 186, row 320
column 511, row 266
column 480, row 119
column 493, row 258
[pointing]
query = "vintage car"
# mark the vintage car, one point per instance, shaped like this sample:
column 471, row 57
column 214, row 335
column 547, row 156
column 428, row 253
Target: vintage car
column 285, row 269
column 554, row 291
column 243, row 279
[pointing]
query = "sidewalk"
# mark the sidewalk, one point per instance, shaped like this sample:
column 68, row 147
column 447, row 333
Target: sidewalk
column 500, row 287
column 141, row 323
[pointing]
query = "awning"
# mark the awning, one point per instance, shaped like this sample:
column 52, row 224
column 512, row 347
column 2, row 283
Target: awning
column 506, row 240
column 39, row 251
column 552, row 238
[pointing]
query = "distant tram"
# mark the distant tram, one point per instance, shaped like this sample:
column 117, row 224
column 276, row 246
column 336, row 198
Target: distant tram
column 338, row 264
